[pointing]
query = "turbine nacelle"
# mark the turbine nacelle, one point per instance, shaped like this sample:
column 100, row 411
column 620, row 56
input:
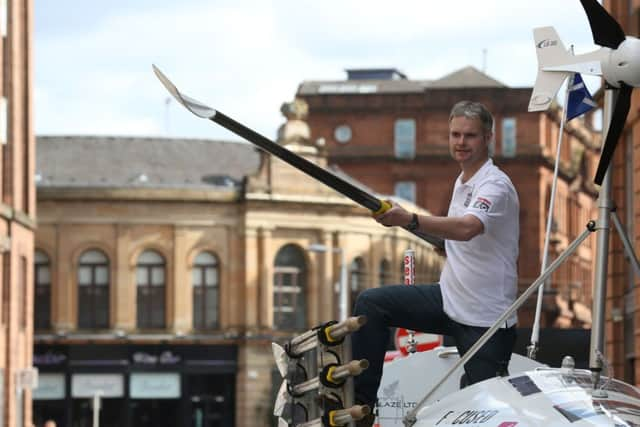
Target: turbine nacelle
column 623, row 64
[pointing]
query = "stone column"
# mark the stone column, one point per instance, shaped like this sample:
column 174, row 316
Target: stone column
column 233, row 278
column 328, row 275
column 396, row 258
column 65, row 283
column 181, row 288
column 249, row 289
column 373, row 263
column 265, row 278
column 124, row 283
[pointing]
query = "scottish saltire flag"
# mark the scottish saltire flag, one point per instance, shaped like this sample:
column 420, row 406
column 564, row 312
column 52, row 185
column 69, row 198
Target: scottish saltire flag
column 580, row 100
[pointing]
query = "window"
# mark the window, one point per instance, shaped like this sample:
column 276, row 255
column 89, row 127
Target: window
column 406, row 190
column 42, row 291
column 404, row 138
column 357, row 276
column 205, row 282
column 150, row 278
column 509, row 142
column 342, row 134
column 93, row 290
column 384, row 273
column 289, row 289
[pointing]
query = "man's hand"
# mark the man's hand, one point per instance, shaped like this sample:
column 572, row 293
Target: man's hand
column 396, row 216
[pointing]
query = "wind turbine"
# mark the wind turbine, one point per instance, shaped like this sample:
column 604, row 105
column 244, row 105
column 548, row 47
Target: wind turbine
column 617, row 61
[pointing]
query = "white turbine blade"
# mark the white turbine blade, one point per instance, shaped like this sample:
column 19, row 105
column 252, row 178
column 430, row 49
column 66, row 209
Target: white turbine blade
column 281, row 358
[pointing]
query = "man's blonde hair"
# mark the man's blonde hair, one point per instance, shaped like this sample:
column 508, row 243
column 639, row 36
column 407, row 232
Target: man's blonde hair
column 473, row 110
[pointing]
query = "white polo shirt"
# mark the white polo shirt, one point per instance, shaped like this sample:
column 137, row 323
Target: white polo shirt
column 479, row 279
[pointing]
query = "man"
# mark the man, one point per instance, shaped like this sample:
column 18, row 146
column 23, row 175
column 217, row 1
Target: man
column 478, row 281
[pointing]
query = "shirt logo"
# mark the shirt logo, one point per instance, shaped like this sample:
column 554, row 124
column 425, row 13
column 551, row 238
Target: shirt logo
column 482, row 204
column 468, row 200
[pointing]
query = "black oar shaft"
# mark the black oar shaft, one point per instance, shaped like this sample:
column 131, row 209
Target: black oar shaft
column 341, row 186
column 349, row 190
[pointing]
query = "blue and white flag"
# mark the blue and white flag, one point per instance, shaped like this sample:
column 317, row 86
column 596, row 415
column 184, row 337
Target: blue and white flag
column 580, row 100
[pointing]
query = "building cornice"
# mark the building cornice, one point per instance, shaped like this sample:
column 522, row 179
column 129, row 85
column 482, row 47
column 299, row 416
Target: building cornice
column 294, row 198
column 160, row 194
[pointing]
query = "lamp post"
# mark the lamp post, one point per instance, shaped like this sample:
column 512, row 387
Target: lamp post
column 342, row 291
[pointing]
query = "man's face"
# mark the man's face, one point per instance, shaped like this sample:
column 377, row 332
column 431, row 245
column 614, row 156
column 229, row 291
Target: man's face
column 468, row 142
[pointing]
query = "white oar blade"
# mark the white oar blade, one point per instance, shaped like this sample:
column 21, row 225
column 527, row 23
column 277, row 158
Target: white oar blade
column 193, row 105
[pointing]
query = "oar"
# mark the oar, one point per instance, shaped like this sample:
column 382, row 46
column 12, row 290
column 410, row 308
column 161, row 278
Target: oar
column 343, row 187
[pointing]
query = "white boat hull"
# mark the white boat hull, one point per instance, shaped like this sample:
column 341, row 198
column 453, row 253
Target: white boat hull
column 532, row 396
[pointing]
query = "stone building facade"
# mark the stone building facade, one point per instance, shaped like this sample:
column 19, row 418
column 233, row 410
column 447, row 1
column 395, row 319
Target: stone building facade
column 173, row 264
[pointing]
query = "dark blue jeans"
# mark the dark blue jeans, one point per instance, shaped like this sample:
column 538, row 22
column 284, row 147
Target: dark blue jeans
column 419, row 308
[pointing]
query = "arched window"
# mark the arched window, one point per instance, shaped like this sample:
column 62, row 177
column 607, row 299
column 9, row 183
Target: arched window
column 384, row 273
column 93, row 290
column 205, row 282
column 357, row 276
column 150, row 278
column 289, row 289
column 42, row 291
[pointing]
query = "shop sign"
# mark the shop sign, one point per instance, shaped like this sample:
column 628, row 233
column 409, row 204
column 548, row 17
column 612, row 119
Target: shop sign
column 154, row 385
column 164, row 358
column 104, row 385
column 50, row 387
column 49, row 358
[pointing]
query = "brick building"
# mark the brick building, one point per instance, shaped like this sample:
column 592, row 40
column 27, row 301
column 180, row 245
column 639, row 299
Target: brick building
column 17, row 211
column 391, row 133
column 166, row 267
column 622, row 332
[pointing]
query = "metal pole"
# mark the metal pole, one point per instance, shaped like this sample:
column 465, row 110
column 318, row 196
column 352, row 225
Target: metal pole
column 532, row 349
column 602, row 254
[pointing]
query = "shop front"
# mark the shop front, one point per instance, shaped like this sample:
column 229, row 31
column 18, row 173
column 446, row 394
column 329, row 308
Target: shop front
column 135, row 385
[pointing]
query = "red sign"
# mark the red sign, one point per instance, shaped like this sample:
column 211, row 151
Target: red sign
column 424, row 341
column 391, row 355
